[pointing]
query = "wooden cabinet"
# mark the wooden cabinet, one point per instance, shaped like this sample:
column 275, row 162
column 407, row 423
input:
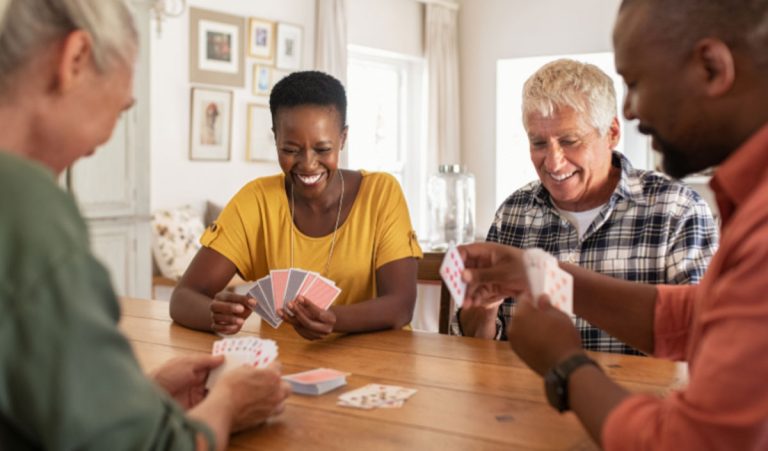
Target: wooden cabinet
column 112, row 188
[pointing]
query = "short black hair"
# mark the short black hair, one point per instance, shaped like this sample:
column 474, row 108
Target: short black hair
column 738, row 23
column 308, row 88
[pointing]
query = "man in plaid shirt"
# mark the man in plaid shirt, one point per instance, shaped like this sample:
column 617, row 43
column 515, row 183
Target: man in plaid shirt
column 590, row 207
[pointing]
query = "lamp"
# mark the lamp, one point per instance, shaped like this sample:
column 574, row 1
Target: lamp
column 163, row 9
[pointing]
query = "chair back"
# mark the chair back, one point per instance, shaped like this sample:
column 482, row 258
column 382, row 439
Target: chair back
column 429, row 273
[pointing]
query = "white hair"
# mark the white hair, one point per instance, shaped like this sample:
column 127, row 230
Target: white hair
column 27, row 25
column 568, row 83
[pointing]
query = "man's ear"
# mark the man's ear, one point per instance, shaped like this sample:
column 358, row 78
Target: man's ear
column 75, row 60
column 717, row 66
column 614, row 132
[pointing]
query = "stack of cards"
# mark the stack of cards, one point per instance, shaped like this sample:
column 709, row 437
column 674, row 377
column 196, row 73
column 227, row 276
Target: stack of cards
column 241, row 351
column 283, row 285
column 546, row 277
column 317, row 381
column 450, row 271
column 374, row 396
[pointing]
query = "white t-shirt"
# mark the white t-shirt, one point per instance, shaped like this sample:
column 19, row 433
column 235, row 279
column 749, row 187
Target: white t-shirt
column 581, row 219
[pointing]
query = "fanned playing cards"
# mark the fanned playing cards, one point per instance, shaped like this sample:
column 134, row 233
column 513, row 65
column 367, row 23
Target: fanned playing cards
column 373, row 396
column 239, row 351
column 281, row 286
column 546, row 277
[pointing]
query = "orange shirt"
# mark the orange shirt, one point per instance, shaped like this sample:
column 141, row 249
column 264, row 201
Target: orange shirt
column 720, row 327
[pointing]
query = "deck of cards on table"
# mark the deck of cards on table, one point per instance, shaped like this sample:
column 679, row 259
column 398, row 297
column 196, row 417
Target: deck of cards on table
column 317, row 381
column 284, row 285
column 239, row 351
column 545, row 277
column 374, row 396
column 450, row 271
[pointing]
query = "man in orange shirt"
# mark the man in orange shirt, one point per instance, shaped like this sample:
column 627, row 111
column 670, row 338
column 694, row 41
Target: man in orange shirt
column 697, row 79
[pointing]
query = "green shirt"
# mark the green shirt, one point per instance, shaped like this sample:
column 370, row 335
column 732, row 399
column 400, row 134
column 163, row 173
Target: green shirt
column 68, row 378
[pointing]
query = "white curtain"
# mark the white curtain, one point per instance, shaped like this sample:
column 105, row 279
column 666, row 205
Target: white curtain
column 441, row 48
column 331, row 42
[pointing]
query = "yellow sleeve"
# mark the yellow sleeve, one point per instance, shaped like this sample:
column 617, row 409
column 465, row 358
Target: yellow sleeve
column 234, row 229
column 395, row 237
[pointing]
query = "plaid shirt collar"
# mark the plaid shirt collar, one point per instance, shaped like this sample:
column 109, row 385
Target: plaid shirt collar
column 629, row 188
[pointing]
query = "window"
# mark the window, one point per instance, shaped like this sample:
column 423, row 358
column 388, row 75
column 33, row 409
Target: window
column 513, row 164
column 386, row 120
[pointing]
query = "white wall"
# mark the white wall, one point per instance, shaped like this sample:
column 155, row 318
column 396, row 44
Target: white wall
column 175, row 180
column 392, row 25
column 490, row 30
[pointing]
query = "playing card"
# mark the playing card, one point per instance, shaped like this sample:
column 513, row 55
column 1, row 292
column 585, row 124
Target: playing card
column 317, row 381
column 322, row 292
column 264, row 307
column 295, row 281
column 311, row 277
column 376, row 395
column 239, row 351
column 315, row 376
column 545, row 277
column 279, row 282
column 450, row 271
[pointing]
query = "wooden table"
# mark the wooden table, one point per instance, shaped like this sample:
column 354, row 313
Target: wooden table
column 472, row 394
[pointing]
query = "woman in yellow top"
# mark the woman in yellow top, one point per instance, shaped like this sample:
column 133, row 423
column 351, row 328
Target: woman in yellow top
column 352, row 227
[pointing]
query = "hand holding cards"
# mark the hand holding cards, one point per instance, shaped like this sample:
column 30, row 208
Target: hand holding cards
column 545, row 277
column 281, row 286
column 241, row 351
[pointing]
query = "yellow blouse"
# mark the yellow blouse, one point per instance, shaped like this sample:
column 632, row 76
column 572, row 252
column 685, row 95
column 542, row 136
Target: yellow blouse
column 254, row 232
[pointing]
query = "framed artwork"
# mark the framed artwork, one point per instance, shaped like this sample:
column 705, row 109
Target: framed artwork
column 216, row 51
column 210, row 124
column 262, row 80
column 289, row 46
column 261, row 140
column 261, row 39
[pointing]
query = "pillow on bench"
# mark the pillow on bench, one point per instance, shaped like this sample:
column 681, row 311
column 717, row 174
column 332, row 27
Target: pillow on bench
column 175, row 239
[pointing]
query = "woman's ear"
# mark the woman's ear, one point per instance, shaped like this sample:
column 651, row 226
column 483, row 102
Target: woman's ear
column 344, row 132
column 75, row 60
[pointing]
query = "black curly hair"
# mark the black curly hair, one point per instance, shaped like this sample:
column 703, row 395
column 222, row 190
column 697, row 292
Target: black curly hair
column 308, row 88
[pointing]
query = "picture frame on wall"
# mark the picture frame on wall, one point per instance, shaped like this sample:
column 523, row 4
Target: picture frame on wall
column 289, row 46
column 260, row 142
column 262, row 80
column 216, row 53
column 210, row 124
column 261, row 39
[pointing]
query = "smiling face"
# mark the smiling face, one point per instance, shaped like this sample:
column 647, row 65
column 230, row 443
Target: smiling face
column 309, row 139
column 571, row 158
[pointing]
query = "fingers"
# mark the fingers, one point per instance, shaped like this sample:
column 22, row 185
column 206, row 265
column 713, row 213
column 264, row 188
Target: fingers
column 229, row 312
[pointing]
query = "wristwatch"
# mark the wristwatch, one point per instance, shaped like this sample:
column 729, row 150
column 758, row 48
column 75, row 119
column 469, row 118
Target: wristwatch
column 556, row 380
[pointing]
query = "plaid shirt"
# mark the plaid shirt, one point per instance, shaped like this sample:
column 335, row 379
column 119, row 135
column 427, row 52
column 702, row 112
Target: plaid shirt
column 652, row 230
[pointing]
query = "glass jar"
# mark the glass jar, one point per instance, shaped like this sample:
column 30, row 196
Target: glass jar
column 451, row 195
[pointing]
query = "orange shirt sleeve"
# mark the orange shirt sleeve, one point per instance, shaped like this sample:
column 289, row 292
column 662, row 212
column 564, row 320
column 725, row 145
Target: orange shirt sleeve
column 725, row 404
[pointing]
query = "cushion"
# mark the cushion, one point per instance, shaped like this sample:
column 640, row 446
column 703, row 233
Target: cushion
column 175, row 239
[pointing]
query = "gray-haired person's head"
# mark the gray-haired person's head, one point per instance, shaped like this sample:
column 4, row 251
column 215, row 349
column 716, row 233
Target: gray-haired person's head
column 26, row 26
column 568, row 83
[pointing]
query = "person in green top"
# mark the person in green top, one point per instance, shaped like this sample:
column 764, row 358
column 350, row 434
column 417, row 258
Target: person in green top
column 68, row 378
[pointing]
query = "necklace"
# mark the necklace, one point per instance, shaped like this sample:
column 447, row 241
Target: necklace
column 335, row 227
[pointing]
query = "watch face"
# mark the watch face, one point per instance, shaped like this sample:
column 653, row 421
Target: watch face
column 555, row 389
